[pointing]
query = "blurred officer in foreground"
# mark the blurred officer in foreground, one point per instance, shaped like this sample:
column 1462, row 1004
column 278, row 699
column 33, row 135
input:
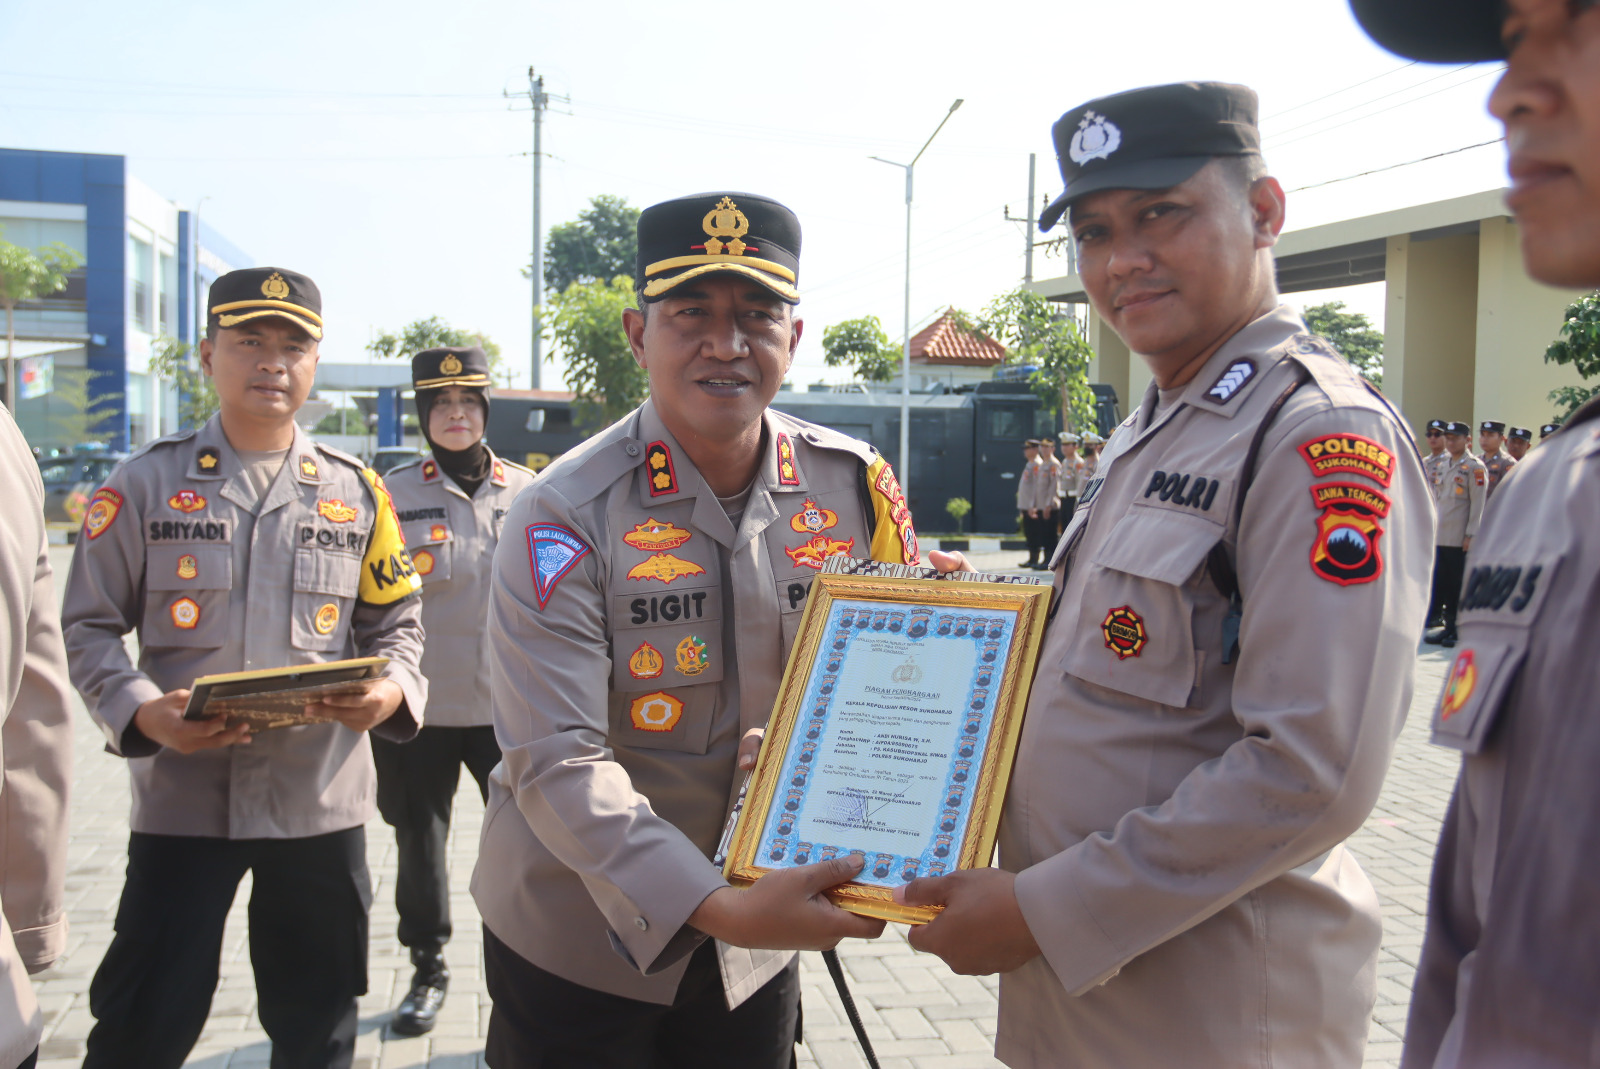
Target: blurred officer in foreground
column 1460, row 489
column 242, row 545
column 451, row 504
column 1492, row 440
column 643, row 604
column 36, row 751
column 1511, row 960
column 1231, row 651
column 1518, row 441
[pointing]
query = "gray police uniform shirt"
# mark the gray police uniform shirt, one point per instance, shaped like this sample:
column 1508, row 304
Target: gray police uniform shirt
column 634, row 637
column 1497, row 466
column 1433, row 467
column 1459, row 496
column 177, row 546
column 1177, row 822
column 451, row 538
column 1511, row 958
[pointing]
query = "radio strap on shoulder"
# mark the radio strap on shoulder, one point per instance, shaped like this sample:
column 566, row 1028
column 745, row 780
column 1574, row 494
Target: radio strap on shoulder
column 1218, row 562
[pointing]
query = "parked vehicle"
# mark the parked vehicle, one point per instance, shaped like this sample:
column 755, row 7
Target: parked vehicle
column 70, row 481
column 392, row 456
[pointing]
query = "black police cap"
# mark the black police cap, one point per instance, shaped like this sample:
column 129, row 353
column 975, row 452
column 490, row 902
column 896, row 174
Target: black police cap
column 1547, row 430
column 1521, row 433
column 1437, row 425
column 1435, row 31
column 1455, row 426
column 258, row 292
column 1151, row 138
column 738, row 233
column 1491, row 426
column 451, row 365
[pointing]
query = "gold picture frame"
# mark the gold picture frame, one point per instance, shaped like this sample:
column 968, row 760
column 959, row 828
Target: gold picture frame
column 276, row 697
column 970, row 633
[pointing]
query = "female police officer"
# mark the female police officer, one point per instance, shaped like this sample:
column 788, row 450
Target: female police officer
column 451, row 505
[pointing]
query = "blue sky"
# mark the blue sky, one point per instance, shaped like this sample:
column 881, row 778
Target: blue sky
column 370, row 145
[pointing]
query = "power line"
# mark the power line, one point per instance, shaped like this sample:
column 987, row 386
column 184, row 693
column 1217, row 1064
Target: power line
column 1337, row 92
column 1395, row 166
column 1278, row 134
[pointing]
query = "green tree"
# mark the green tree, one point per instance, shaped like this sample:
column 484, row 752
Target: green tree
column 601, row 243
column 1039, row 332
column 1578, row 344
column 26, row 275
column 585, row 323
column 347, row 420
column 197, row 397
column 862, row 345
column 433, row 333
column 68, row 418
column 1353, row 334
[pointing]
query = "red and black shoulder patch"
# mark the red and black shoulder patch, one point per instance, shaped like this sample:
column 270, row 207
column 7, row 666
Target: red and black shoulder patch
column 1346, row 550
column 1352, row 454
column 658, row 464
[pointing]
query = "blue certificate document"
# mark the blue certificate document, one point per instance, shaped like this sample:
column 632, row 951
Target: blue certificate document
column 895, row 732
column 895, row 723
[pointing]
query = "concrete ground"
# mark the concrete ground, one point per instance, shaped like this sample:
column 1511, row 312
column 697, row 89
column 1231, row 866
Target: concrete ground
column 917, row 1012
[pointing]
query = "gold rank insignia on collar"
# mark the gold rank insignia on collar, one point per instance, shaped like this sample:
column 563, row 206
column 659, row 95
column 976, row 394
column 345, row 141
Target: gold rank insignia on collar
column 430, row 470
column 498, row 476
column 308, row 466
column 207, row 459
column 788, row 474
column 658, row 464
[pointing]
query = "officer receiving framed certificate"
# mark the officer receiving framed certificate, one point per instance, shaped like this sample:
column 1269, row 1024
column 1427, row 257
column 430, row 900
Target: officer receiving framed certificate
column 894, row 733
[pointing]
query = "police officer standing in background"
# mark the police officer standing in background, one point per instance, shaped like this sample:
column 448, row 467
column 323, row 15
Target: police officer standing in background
column 1027, row 492
column 1069, row 481
column 1459, row 492
column 451, row 505
column 242, row 545
column 1511, row 959
column 1231, row 651
column 644, row 601
column 1492, row 439
column 1518, row 441
column 1434, row 463
column 1546, row 430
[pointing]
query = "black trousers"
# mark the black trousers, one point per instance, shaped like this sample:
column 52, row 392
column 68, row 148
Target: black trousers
column 1069, row 505
column 30, row 1061
column 308, row 947
column 1040, row 531
column 541, row 1021
column 417, row 783
column 1449, row 570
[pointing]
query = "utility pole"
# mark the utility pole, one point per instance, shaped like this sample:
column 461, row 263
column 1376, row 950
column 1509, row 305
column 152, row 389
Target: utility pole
column 1027, row 233
column 536, row 95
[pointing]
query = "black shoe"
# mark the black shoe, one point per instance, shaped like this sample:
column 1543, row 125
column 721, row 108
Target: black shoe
column 419, row 1010
column 1029, row 563
column 1433, row 638
column 1040, row 567
column 1448, row 639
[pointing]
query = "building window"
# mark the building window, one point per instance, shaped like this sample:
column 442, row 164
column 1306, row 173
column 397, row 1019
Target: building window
column 169, row 293
column 139, row 270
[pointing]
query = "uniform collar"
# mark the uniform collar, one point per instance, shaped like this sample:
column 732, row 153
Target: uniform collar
column 1226, row 381
column 429, row 472
column 214, row 459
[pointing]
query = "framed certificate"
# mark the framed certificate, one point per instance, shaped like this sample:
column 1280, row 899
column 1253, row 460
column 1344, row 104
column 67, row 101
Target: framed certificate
column 894, row 733
column 277, row 697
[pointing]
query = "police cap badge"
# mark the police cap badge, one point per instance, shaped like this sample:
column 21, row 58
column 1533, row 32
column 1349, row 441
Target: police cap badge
column 738, row 233
column 1151, row 138
column 259, row 292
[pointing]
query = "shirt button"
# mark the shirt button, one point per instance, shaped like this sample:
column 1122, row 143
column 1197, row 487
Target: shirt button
column 640, row 922
column 631, row 449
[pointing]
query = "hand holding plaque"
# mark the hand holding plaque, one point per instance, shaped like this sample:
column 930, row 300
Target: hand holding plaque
column 894, row 733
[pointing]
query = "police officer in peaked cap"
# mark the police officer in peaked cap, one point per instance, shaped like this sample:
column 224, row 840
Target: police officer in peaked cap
column 1518, row 441
column 1511, row 958
column 242, row 545
column 452, row 504
column 642, row 606
column 1231, row 656
column 1496, row 460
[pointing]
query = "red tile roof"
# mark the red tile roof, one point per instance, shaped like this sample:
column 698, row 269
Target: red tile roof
column 942, row 342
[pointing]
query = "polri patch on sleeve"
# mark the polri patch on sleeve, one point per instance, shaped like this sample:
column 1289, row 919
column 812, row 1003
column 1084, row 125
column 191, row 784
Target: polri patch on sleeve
column 102, row 510
column 553, row 551
column 1346, row 548
column 1336, row 454
column 658, row 464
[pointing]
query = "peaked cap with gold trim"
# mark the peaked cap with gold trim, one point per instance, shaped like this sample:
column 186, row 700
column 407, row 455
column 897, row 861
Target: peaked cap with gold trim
column 738, row 233
column 451, row 365
column 258, row 292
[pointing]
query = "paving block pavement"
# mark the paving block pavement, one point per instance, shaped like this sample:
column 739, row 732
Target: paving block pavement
column 919, row 1014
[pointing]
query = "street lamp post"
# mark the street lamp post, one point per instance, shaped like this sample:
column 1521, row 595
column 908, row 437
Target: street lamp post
column 904, row 461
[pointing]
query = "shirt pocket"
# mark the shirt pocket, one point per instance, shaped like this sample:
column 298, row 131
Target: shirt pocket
column 325, row 585
column 431, row 546
column 186, row 596
column 1135, row 629
column 677, row 718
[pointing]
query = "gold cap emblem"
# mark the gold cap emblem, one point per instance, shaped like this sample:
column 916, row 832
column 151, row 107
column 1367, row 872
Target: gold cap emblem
column 450, row 365
column 275, row 288
column 725, row 221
